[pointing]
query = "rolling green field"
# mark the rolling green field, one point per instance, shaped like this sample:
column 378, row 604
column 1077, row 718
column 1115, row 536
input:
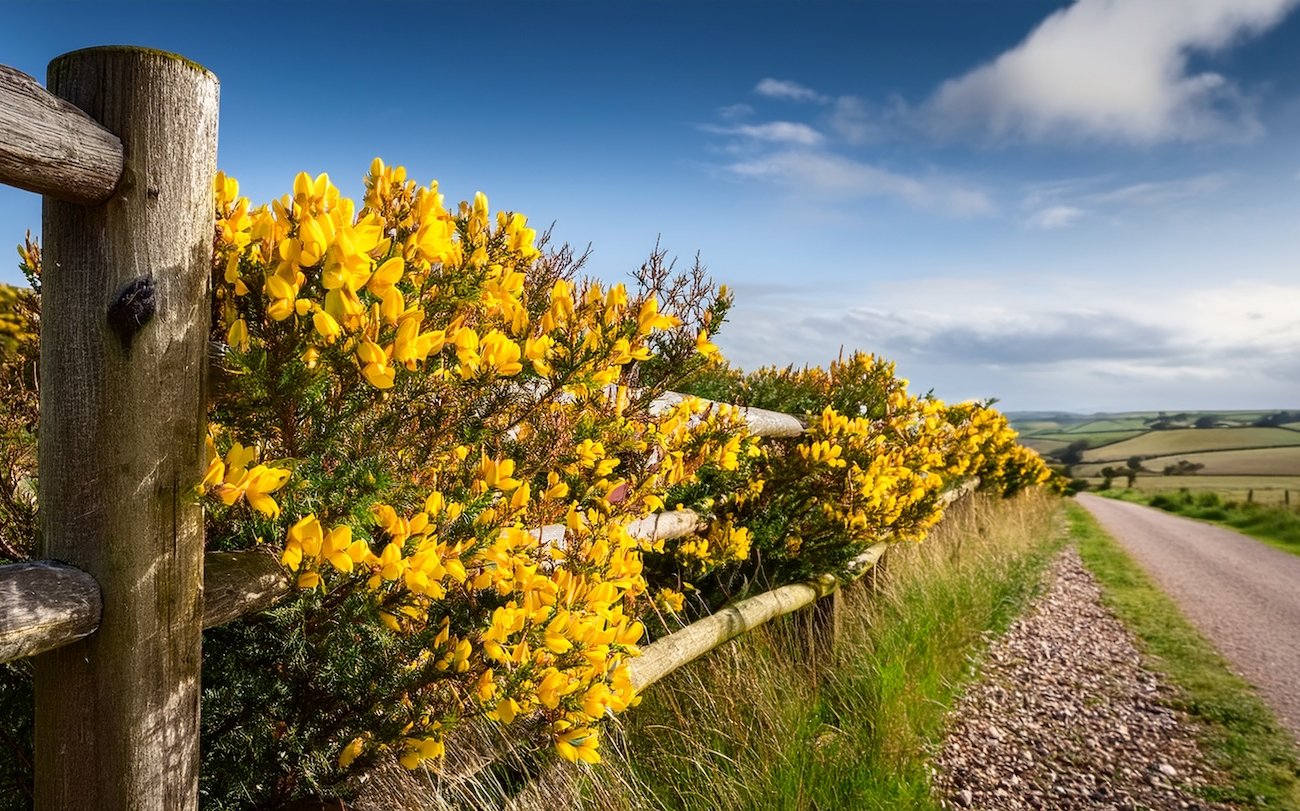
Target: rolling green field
column 1278, row 461
column 1095, row 438
column 1136, row 424
column 1193, row 440
column 1029, row 422
column 1043, row 445
column 1238, row 458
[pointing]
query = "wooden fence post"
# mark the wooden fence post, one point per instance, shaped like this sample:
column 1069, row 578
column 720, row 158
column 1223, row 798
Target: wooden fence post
column 124, row 328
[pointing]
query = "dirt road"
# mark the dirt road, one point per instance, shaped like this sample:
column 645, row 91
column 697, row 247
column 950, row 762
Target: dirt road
column 1244, row 596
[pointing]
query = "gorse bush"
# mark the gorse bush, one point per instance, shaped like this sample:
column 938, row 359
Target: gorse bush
column 871, row 466
column 444, row 434
column 407, row 392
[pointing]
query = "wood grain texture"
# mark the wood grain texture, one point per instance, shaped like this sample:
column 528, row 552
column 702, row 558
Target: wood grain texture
column 50, row 147
column 668, row 653
column 240, row 583
column 44, row 605
column 665, row 525
column 123, row 414
column 658, row 527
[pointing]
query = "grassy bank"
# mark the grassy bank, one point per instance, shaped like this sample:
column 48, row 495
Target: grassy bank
column 754, row 726
column 1273, row 524
column 1239, row 733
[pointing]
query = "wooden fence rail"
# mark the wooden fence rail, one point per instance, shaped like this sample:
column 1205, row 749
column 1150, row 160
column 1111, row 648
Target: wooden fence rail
column 123, row 146
column 682, row 647
column 51, row 147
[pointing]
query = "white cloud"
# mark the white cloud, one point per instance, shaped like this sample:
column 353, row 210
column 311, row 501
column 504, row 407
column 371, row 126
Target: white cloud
column 851, row 120
column 787, row 90
column 1163, row 192
column 1062, row 203
column 822, row 174
column 1112, row 70
column 733, row 112
column 1054, row 217
column 783, row 132
column 1059, row 343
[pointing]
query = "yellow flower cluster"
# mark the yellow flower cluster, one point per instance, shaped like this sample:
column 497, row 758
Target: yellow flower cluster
column 230, row 479
column 988, row 449
column 460, row 448
column 14, row 328
column 870, row 467
column 723, row 543
column 19, row 307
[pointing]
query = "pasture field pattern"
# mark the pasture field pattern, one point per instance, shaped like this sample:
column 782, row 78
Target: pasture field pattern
column 1238, row 458
column 1192, row 440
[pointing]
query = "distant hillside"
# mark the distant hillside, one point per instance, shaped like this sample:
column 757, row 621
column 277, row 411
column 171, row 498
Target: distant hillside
column 1058, row 422
column 1243, row 452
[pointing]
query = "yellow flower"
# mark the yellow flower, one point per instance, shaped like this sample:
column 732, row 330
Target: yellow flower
column 307, row 536
column 237, row 335
column 649, row 319
column 670, row 600
column 506, row 710
column 215, row 473
column 500, row 353
column 704, row 346
column 496, row 474
column 387, row 275
column 335, row 548
column 351, row 752
column 325, row 324
column 261, row 482
column 577, row 744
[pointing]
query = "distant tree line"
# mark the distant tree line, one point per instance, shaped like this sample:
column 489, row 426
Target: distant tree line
column 1280, row 418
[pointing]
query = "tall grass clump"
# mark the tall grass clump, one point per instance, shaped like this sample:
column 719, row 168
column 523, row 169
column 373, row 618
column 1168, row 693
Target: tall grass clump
column 758, row 725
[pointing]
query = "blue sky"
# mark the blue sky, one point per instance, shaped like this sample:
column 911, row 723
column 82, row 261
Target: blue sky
column 1089, row 205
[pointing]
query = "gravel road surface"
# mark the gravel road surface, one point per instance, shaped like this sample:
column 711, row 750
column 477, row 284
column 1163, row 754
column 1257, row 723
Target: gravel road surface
column 1243, row 595
column 1064, row 717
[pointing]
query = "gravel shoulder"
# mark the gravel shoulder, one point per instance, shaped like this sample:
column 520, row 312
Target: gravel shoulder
column 1064, row 716
column 1243, row 595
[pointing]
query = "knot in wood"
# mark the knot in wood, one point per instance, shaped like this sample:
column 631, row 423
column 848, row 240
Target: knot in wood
column 132, row 308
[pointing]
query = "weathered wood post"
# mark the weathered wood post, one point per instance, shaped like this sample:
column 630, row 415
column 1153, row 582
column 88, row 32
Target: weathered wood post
column 124, row 328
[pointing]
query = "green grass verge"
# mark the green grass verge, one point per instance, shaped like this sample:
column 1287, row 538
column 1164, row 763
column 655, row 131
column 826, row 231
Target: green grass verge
column 757, row 725
column 1277, row 526
column 1239, row 734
